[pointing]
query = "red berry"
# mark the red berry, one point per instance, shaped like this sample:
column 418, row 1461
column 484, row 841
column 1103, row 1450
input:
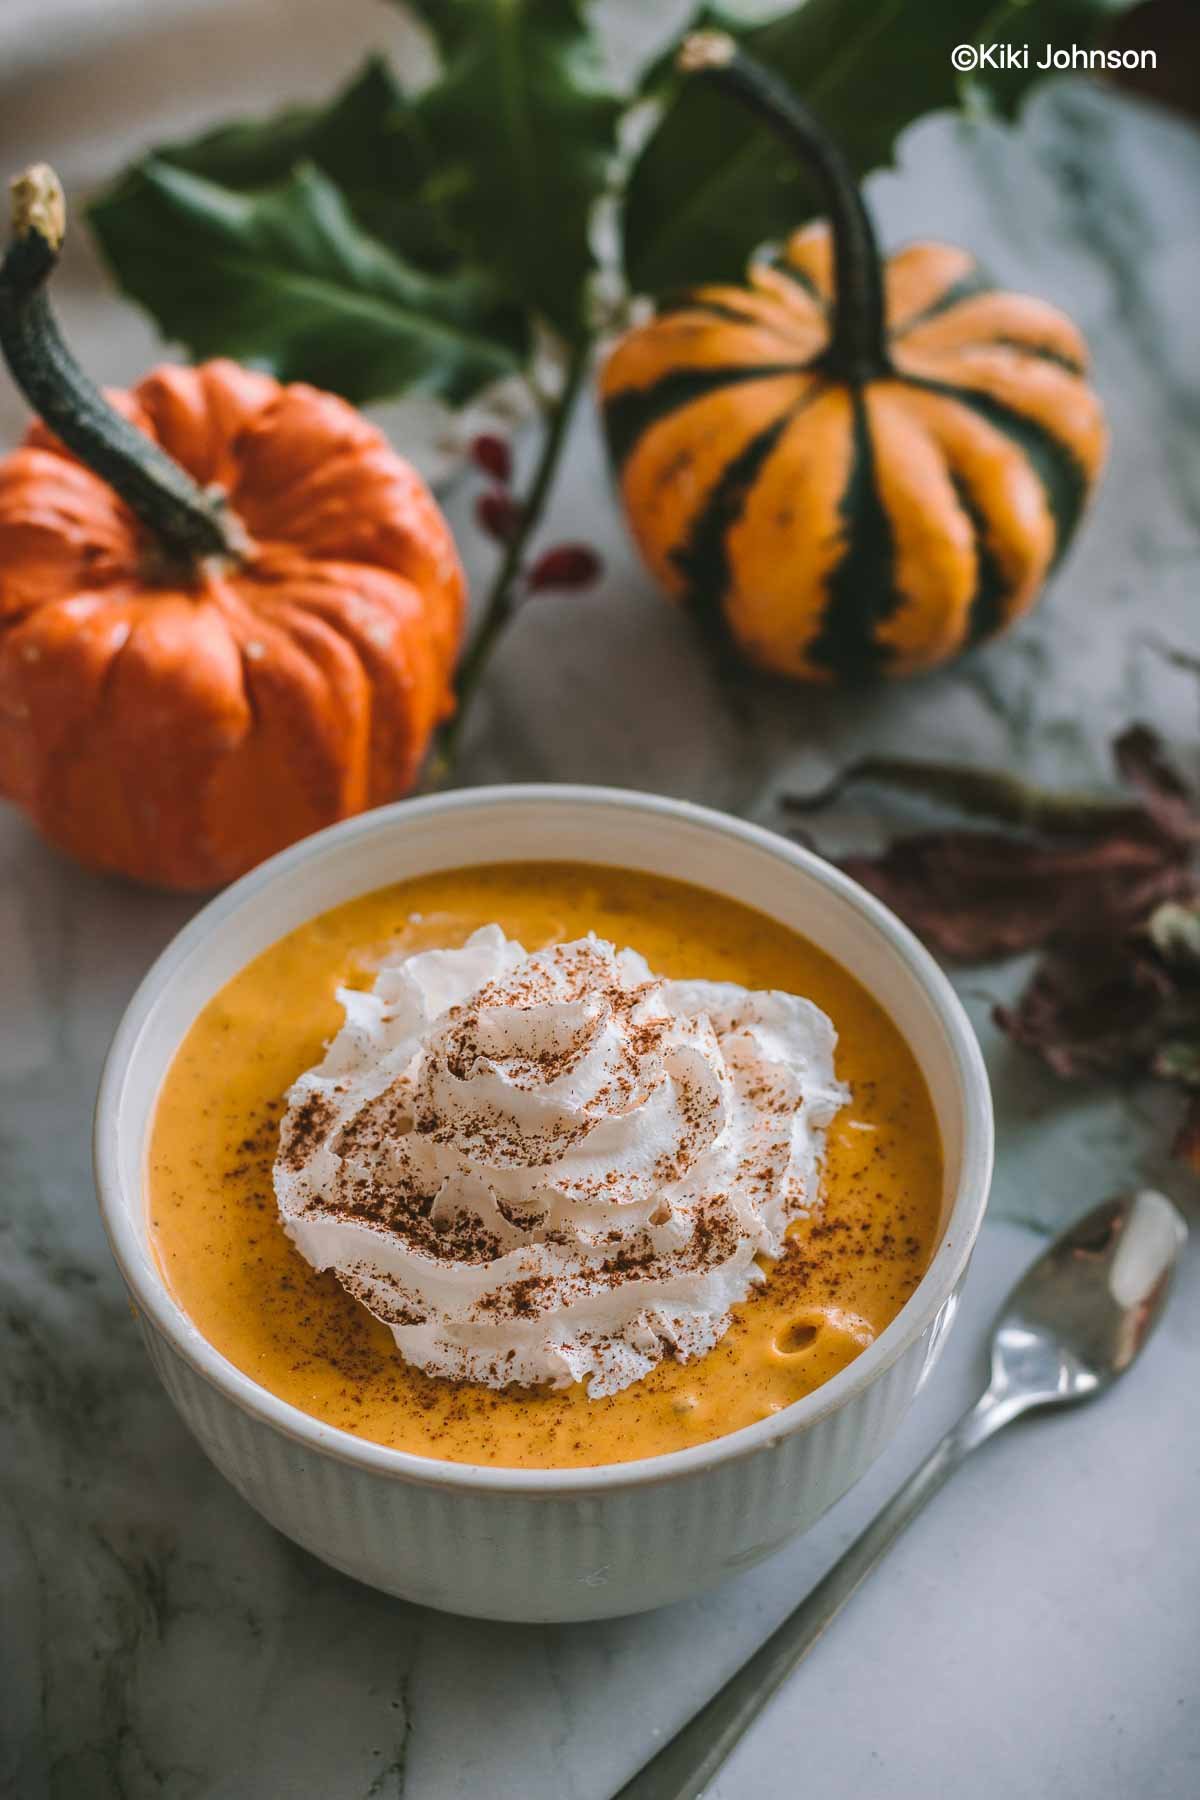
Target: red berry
column 492, row 454
column 498, row 514
column 566, row 566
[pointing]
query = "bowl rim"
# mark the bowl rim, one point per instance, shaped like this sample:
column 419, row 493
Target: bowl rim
column 939, row 1283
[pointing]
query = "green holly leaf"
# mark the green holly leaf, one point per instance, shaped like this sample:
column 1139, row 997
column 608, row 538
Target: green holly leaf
column 386, row 241
column 351, row 140
column 368, row 140
column 711, row 186
column 522, row 128
column 285, row 278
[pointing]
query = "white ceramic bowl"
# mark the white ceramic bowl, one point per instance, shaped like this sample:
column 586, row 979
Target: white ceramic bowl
column 570, row 1543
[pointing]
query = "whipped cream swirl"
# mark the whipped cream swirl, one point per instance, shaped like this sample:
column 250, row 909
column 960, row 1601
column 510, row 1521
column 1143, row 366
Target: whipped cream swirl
column 555, row 1167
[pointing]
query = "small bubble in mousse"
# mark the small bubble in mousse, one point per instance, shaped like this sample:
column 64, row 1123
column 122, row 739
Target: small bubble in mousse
column 800, row 1335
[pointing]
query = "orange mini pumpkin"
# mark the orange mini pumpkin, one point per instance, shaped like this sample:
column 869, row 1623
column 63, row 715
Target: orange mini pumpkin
column 230, row 618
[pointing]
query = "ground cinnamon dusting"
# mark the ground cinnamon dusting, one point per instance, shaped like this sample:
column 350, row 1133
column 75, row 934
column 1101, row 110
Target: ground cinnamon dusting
column 304, row 1335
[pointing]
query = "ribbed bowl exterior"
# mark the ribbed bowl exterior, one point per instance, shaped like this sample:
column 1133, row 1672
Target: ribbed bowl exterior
column 553, row 1544
column 546, row 1557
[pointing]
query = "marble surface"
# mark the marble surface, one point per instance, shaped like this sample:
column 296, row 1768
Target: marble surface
column 1036, row 1631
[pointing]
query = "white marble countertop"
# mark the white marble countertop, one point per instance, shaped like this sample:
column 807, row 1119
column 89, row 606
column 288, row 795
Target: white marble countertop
column 1036, row 1632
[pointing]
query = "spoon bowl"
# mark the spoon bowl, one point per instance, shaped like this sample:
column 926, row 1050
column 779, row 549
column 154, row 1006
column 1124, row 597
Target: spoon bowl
column 1082, row 1312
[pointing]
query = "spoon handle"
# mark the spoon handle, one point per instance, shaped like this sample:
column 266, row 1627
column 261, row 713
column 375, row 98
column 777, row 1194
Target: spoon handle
column 683, row 1768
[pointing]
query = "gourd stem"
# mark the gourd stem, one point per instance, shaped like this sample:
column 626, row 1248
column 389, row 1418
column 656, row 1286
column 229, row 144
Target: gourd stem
column 186, row 523
column 858, row 340
column 501, row 601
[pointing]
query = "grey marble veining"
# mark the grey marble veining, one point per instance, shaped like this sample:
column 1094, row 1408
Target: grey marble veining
column 1036, row 1633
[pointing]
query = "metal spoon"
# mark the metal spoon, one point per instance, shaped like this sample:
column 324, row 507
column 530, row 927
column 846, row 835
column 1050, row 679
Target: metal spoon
column 1074, row 1322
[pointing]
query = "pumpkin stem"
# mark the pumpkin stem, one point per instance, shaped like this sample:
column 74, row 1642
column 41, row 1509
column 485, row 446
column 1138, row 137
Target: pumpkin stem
column 187, row 523
column 858, row 340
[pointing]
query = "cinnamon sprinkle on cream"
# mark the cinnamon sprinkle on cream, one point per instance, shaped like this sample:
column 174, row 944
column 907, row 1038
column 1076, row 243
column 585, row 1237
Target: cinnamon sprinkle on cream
column 557, row 1167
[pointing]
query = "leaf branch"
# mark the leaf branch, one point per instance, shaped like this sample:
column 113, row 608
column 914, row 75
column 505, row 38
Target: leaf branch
column 501, row 599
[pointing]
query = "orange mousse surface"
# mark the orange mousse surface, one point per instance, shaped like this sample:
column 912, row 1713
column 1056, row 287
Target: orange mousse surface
column 846, row 1272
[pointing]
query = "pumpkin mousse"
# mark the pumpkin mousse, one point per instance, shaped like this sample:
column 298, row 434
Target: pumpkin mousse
column 544, row 1166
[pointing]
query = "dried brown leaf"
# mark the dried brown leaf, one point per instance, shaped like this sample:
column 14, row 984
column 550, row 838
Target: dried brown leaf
column 1105, row 887
column 1074, row 864
column 973, row 895
column 1142, row 764
column 1091, row 1010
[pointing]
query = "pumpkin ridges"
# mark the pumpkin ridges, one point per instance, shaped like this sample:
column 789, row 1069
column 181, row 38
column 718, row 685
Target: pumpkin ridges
column 415, row 702
column 346, row 697
column 277, row 671
column 391, row 520
column 1062, row 477
column 301, row 508
column 1010, row 321
column 808, row 253
column 804, row 308
column 197, row 413
column 782, row 551
column 60, row 529
column 860, row 587
column 972, row 287
column 381, row 616
column 218, row 764
column 703, row 558
column 934, row 559
column 176, row 662
column 925, row 277
column 631, row 414
column 293, row 438
column 679, row 459
column 1007, row 576
column 991, row 604
column 698, row 341
column 998, row 484
column 59, row 659
column 1053, row 415
column 300, row 719
column 54, row 664
column 799, row 330
column 177, row 653
column 734, row 306
column 1048, row 398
